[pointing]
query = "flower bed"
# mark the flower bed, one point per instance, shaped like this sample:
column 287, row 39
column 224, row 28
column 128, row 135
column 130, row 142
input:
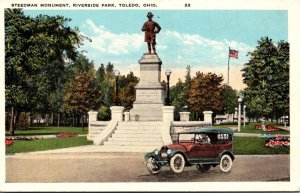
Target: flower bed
column 9, row 142
column 278, row 141
column 22, row 138
column 267, row 128
column 63, row 134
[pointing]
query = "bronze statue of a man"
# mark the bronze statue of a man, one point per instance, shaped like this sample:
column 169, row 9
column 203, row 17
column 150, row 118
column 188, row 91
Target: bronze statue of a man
column 151, row 28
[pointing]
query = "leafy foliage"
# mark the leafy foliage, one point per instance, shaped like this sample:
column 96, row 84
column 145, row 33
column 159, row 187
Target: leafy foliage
column 82, row 94
column 127, row 91
column 228, row 98
column 267, row 78
column 205, row 92
column 35, row 51
column 179, row 93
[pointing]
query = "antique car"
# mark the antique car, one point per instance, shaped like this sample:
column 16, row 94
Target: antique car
column 204, row 147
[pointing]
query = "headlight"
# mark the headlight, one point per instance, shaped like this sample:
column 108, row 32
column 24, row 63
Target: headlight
column 169, row 151
column 156, row 152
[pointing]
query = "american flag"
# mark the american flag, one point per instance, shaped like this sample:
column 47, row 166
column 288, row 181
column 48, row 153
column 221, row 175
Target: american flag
column 233, row 53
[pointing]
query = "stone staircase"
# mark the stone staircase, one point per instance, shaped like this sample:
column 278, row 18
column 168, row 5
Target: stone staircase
column 135, row 137
column 96, row 128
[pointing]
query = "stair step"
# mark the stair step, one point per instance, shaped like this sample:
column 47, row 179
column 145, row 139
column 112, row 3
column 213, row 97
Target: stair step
column 140, row 123
column 149, row 128
column 136, row 139
column 118, row 148
column 133, row 143
column 139, row 135
column 156, row 131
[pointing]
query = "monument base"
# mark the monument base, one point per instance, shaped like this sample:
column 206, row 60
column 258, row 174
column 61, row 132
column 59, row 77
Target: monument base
column 146, row 112
column 149, row 91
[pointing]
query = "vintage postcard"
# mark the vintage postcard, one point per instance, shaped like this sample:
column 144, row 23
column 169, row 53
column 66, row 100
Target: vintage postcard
column 124, row 95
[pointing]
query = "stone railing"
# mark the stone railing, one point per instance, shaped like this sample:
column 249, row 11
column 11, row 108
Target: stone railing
column 95, row 128
column 106, row 133
column 100, row 131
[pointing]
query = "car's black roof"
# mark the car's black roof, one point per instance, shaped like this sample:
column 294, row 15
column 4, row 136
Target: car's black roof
column 209, row 130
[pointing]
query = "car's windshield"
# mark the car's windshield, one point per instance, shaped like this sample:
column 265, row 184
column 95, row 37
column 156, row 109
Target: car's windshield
column 186, row 138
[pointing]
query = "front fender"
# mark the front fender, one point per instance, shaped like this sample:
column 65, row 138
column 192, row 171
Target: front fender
column 180, row 152
column 148, row 155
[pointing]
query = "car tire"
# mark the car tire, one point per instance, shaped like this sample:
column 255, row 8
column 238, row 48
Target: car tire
column 152, row 167
column 203, row 167
column 177, row 163
column 225, row 163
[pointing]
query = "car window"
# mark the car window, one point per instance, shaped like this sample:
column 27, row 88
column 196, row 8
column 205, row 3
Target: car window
column 223, row 138
column 202, row 139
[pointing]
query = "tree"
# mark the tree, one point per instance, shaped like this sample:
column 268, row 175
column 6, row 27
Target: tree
column 179, row 93
column 100, row 73
column 229, row 99
column 266, row 75
column 205, row 93
column 82, row 95
column 127, row 91
column 80, row 65
column 105, row 82
column 35, row 49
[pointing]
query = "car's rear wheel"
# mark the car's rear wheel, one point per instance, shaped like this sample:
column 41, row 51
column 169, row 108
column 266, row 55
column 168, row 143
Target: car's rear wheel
column 203, row 167
column 177, row 163
column 152, row 166
column 225, row 163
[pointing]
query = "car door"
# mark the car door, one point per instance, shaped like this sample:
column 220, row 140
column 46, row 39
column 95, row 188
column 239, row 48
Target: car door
column 201, row 150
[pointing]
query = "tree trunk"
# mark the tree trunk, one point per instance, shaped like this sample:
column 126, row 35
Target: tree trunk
column 11, row 124
column 82, row 123
column 73, row 121
column 29, row 119
column 47, row 120
column 52, row 119
column 58, row 119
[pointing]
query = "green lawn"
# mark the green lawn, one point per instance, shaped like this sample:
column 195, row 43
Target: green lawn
column 46, row 144
column 50, row 130
column 250, row 128
column 255, row 146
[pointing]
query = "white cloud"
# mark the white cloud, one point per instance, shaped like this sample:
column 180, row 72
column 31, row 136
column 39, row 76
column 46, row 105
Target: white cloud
column 184, row 49
column 112, row 43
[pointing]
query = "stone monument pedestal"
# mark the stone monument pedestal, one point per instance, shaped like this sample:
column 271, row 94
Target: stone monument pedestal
column 149, row 91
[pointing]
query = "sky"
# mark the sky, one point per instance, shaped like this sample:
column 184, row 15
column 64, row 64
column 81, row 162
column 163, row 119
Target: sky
column 199, row 38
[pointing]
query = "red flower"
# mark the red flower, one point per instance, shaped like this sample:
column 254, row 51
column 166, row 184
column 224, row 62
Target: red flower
column 63, row 134
column 9, row 141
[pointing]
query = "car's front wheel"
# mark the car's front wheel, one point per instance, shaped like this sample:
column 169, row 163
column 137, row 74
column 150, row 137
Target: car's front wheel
column 203, row 167
column 225, row 163
column 177, row 163
column 152, row 166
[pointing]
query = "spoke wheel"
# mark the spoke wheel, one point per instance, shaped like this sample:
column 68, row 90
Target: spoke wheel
column 177, row 163
column 203, row 167
column 225, row 163
column 152, row 166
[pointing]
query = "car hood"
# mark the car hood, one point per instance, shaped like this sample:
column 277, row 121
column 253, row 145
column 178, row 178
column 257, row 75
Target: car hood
column 178, row 146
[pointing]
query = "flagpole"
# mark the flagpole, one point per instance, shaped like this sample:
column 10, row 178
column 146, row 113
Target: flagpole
column 228, row 67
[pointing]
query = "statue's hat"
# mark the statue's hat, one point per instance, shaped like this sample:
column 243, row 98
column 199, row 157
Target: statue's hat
column 149, row 14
